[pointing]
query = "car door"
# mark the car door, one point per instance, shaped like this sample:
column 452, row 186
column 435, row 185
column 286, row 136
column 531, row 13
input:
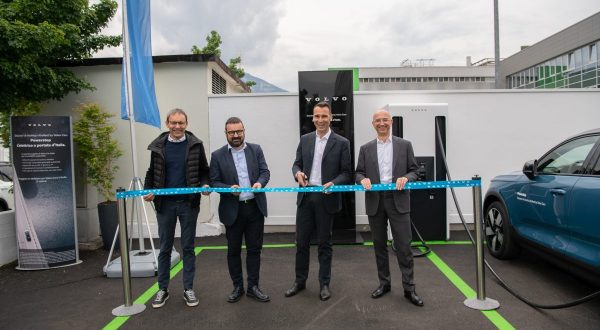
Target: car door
column 545, row 200
column 584, row 216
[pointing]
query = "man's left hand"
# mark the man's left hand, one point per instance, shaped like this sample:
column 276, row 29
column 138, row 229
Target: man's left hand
column 400, row 182
column 326, row 186
column 206, row 193
column 257, row 185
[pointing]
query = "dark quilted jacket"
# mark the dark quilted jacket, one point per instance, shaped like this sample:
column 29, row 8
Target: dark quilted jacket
column 197, row 167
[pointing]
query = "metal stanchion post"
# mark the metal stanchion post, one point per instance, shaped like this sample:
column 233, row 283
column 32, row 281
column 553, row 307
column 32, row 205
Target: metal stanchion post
column 128, row 308
column 481, row 302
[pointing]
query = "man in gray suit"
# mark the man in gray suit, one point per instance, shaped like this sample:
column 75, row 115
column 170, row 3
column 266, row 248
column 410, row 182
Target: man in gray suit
column 241, row 164
column 322, row 159
column 389, row 159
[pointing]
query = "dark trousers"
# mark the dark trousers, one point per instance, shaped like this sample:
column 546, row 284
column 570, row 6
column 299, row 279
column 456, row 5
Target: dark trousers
column 401, row 232
column 311, row 215
column 167, row 219
column 249, row 224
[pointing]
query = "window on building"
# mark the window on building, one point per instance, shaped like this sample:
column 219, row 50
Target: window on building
column 219, row 86
column 592, row 53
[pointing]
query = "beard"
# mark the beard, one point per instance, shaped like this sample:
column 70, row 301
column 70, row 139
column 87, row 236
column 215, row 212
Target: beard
column 236, row 142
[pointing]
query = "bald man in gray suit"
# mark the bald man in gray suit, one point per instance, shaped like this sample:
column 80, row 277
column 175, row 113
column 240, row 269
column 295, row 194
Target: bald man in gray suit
column 389, row 159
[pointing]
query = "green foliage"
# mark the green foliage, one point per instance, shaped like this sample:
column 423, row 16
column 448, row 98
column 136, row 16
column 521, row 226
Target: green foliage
column 24, row 108
column 35, row 37
column 213, row 44
column 237, row 70
column 98, row 151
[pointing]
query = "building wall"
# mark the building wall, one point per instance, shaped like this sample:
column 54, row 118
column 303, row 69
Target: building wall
column 178, row 85
column 426, row 78
column 571, row 38
column 489, row 132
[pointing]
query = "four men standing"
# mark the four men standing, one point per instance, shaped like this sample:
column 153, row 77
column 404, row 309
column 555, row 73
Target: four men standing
column 322, row 159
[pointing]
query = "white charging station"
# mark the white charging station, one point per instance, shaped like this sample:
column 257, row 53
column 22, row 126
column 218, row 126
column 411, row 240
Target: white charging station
column 421, row 123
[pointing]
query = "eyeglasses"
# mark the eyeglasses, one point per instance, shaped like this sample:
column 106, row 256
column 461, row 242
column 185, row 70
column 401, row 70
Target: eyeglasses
column 175, row 123
column 234, row 133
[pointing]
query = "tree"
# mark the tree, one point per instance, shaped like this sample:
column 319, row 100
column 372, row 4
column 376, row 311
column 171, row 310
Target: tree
column 98, row 150
column 35, row 37
column 238, row 71
column 235, row 68
column 213, row 44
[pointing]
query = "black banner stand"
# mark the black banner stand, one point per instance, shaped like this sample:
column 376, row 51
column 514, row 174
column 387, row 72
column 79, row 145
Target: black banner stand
column 334, row 87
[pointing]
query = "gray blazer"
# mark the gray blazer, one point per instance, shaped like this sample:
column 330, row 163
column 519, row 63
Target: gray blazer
column 336, row 166
column 404, row 164
column 223, row 175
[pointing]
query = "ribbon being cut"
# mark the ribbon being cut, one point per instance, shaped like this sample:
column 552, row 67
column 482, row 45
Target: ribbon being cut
column 335, row 188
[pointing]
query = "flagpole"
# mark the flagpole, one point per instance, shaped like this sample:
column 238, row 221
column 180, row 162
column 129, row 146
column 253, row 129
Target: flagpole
column 130, row 113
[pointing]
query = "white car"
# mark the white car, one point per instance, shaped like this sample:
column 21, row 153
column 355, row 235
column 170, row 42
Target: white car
column 7, row 198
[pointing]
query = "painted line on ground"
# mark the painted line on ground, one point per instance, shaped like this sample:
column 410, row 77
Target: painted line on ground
column 495, row 317
column 466, row 290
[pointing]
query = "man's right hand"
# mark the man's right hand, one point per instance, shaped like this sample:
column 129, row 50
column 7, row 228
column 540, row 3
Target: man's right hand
column 235, row 186
column 366, row 183
column 302, row 178
column 149, row 197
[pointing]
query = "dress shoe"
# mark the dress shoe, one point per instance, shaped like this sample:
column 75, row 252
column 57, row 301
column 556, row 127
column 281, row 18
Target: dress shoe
column 297, row 287
column 254, row 292
column 380, row 291
column 324, row 294
column 413, row 298
column 236, row 294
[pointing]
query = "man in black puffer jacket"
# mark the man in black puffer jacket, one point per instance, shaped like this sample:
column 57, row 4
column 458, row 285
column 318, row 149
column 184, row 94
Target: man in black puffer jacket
column 178, row 160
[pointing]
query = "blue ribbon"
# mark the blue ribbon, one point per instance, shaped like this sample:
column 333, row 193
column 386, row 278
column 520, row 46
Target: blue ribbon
column 334, row 188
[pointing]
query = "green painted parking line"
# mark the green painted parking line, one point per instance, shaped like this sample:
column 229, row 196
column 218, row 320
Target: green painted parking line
column 118, row 321
column 494, row 316
column 497, row 319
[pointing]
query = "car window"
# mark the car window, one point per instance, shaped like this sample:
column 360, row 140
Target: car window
column 5, row 177
column 567, row 158
column 596, row 169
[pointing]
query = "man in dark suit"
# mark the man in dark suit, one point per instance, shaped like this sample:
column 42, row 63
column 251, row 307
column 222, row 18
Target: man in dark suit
column 322, row 159
column 241, row 164
column 389, row 159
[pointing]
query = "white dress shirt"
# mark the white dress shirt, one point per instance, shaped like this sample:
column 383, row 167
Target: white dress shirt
column 385, row 156
column 241, row 167
column 315, row 171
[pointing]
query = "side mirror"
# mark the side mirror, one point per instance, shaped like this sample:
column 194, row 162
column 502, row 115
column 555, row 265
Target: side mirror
column 529, row 169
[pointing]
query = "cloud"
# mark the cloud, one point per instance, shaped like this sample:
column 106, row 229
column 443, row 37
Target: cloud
column 276, row 39
column 247, row 28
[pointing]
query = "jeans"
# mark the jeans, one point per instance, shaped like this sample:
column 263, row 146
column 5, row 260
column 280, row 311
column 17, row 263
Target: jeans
column 167, row 219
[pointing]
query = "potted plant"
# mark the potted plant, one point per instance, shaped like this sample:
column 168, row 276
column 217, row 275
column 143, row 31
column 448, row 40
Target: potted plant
column 98, row 152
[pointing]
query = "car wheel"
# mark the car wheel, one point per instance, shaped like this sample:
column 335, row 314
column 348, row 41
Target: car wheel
column 500, row 238
column 3, row 206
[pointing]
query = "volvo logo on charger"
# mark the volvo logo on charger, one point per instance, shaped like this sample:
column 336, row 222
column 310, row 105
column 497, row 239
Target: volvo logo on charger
column 327, row 99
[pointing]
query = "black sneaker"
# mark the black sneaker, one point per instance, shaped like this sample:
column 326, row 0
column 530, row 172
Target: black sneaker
column 190, row 298
column 161, row 298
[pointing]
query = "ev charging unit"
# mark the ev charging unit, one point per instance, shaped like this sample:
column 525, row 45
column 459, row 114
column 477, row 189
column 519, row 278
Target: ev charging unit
column 424, row 125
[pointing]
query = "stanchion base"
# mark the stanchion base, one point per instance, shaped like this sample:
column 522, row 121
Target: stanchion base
column 141, row 264
column 128, row 310
column 482, row 305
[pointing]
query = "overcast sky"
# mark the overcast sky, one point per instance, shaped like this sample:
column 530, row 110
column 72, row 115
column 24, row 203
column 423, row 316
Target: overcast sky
column 276, row 39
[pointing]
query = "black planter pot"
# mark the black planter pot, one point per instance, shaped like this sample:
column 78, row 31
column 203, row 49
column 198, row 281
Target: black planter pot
column 108, row 215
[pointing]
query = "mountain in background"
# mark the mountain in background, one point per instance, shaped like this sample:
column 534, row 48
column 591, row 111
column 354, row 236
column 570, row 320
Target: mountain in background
column 261, row 85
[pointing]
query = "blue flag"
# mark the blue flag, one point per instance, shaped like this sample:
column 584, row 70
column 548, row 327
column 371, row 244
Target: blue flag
column 145, row 108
